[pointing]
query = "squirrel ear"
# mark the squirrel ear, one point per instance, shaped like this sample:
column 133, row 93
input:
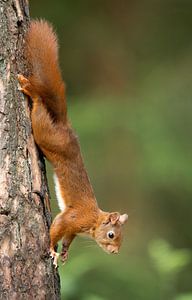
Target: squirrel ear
column 123, row 219
column 114, row 217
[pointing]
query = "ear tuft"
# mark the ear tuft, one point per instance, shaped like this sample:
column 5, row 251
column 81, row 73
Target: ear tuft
column 123, row 219
column 114, row 217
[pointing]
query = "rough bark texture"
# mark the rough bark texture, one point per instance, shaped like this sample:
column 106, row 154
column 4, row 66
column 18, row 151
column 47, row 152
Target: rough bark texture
column 26, row 270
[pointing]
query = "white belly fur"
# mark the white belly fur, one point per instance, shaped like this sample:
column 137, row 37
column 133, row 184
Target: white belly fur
column 60, row 199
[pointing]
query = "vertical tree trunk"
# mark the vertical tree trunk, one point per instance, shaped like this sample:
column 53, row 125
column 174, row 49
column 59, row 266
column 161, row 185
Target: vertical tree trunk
column 26, row 270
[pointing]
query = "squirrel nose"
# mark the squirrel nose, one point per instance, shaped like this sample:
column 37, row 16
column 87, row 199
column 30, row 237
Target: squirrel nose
column 115, row 251
column 112, row 249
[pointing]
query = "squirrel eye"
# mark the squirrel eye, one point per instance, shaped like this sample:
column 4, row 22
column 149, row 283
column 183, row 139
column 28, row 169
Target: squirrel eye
column 110, row 234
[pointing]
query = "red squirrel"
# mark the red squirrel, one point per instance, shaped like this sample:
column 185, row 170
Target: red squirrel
column 57, row 140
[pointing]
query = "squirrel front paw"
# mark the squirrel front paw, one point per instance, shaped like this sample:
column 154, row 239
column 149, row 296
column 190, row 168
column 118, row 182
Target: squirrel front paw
column 64, row 256
column 55, row 257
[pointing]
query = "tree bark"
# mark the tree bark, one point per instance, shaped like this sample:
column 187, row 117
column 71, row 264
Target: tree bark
column 26, row 270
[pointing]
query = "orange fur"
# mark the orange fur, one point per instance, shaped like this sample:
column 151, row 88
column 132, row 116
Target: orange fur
column 45, row 73
column 57, row 140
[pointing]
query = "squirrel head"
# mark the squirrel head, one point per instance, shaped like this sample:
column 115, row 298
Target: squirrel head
column 108, row 232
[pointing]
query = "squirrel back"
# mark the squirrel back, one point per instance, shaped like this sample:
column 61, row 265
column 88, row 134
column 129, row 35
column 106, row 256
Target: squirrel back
column 45, row 75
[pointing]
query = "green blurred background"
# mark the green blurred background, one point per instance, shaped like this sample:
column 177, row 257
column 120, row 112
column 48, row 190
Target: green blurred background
column 127, row 67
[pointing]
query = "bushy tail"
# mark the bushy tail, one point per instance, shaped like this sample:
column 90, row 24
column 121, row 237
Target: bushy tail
column 42, row 54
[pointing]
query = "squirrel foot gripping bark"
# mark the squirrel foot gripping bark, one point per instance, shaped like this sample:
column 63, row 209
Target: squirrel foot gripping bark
column 53, row 134
column 25, row 86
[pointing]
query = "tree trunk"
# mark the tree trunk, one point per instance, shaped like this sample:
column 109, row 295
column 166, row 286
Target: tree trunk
column 26, row 270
